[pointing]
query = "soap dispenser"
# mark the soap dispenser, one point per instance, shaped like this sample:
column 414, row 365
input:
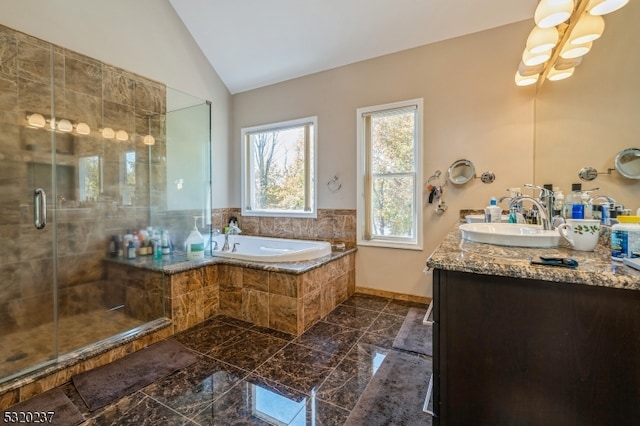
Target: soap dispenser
column 195, row 242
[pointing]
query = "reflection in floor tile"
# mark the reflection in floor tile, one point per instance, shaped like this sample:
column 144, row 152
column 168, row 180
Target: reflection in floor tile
column 331, row 338
column 350, row 316
column 248, row 375
column 247, row 350
column 299, row 367
column 192, row 389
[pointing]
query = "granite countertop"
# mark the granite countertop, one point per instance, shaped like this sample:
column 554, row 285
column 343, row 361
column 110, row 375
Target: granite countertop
column 595, row 268
column 177, row 262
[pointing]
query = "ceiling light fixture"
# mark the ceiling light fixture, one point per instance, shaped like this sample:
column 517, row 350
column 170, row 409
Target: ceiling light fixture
column 565, row 31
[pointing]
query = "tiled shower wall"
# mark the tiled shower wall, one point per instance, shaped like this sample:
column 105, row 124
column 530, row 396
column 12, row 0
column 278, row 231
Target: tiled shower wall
column 84, row 90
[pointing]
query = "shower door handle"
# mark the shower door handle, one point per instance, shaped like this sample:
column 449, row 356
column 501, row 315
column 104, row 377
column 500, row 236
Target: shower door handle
column 40, row 208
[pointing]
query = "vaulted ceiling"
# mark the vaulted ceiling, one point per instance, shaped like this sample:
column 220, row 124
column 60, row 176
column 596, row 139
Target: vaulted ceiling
column 254, row 43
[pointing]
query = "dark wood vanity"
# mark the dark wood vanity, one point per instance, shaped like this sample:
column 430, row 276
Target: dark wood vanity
column 545, row 350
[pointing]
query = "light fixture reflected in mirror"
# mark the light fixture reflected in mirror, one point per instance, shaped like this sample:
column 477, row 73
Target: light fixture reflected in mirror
column 148, row 140
column 63, row 125
column 108, row 133
column 122, row 135
column 36, row 120
column 83, row 129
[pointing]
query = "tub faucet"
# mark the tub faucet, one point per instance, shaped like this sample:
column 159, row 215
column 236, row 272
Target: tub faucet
column 225, row 246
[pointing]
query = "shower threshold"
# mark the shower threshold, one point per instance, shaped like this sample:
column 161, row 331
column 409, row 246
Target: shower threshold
column 26, row 356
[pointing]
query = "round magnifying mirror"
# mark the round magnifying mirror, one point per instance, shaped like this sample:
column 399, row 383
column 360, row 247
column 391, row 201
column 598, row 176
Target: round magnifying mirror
column 461, row 172
column 587, row 174
column 628, row 163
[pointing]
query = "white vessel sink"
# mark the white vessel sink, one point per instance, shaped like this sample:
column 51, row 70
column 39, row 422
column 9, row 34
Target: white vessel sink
column 510, row 234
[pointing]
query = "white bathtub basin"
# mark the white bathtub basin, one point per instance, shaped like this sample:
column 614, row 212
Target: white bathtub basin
column 266, row 249
column 510, row 234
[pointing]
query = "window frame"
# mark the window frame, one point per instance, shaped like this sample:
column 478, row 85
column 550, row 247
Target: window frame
column 364, row 178
column 311, row 169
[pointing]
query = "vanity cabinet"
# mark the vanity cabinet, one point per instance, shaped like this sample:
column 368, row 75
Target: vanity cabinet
column 512, row 351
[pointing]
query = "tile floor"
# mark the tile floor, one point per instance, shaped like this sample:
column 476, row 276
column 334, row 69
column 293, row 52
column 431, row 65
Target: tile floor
column 247, row 375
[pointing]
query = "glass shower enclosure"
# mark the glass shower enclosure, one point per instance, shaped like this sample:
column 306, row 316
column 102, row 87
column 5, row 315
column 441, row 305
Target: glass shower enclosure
column 89, row 153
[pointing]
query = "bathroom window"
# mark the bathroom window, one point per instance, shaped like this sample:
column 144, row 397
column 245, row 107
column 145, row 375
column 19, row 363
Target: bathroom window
column 279, row 169
column 390, row 175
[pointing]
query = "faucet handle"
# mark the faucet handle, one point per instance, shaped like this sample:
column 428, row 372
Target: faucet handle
column 235, row 247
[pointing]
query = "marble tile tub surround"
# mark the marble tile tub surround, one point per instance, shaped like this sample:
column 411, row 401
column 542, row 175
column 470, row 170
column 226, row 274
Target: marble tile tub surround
column 317, row 376
column 333, row 225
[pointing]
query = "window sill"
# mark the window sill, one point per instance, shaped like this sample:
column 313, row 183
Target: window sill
column 390, row 245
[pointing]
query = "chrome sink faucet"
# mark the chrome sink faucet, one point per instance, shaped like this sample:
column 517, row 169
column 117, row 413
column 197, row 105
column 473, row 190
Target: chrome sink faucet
column 544, row 205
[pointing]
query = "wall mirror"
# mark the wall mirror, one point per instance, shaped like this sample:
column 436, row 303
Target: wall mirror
column 590, row 117
column 627, row 163
column 461, row 172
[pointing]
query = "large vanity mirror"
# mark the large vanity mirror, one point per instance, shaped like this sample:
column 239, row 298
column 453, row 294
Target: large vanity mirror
column 585, row 121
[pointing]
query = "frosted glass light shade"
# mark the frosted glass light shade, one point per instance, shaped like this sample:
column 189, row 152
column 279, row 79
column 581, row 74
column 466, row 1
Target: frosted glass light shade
column 588, row 28
column 121, row 135
column 532, row 59
column 148, row 140
column 549, row 15
column 574, row 50
column 64, row 125
column 83, row 129
column 36, row 120
column 602, row 7
column 542, row 39
column 527, row 80
column 108, row 133
column 556, row 74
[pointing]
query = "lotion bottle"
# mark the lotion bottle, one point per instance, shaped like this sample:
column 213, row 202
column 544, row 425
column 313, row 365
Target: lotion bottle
column 492, row 213
column 195, row 242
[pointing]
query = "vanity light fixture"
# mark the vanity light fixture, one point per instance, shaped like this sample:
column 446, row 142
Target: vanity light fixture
column 148, row 140
column 602, row 7
column 108, row 133
column 83, row 129
column 578, row 24
column 63, row 125
column 122, row 135
column 36, row 120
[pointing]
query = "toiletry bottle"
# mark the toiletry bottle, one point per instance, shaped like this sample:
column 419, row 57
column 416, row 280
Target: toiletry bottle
column 195, row 242
column 164, row 241
column 131, row 250
column 558, row 197
column 492, row 213
column 587, row 202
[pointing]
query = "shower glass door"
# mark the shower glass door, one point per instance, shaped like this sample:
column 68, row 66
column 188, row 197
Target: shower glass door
column 28, row 336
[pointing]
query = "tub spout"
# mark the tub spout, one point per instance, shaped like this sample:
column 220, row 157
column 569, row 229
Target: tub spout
column 225, row 246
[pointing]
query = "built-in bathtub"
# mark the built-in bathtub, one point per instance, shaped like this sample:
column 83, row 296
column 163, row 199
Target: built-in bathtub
column 267, row 249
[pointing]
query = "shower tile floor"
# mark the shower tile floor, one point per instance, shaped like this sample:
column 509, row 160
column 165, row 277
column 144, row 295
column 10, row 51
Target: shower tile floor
column 23, row 349
column 247, row 375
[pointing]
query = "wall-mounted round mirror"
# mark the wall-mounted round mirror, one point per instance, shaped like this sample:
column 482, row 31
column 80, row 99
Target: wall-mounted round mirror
column 628, row 163
column 587, row 174
column 461, row 172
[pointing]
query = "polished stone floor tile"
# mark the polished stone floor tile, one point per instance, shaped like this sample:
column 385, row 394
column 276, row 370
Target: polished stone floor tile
column 138, row 410
column 401, row 307
column 206, row 336
column 367, row 301
column 299, row 367
column 350, row 378
column 247, row 350
column 332, row 338
column 350, row 316
column 192, row 389
column 387, row 325
column 248, row 375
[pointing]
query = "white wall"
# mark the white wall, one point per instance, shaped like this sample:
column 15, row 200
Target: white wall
column 142, row 36
column 472, row 110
